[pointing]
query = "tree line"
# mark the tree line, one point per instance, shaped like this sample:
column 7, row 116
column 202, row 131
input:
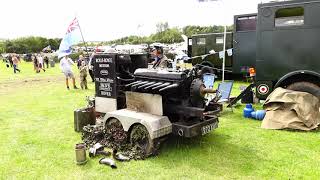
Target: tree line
column 164, row 34
column 28, row 45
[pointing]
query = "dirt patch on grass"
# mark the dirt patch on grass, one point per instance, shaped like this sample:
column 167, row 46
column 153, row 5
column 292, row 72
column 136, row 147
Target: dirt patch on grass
column 12, row 86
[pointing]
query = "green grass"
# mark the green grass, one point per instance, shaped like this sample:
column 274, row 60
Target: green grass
column 37, row 140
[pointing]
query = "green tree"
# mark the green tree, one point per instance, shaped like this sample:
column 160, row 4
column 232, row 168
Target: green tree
column 30, row 44
column 164, row 34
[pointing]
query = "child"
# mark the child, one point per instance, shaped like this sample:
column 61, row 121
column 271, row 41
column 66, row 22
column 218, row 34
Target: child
column 83, row 75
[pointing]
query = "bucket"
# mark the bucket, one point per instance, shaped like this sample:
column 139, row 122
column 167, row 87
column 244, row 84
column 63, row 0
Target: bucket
column 80, row 150
column 83, row 117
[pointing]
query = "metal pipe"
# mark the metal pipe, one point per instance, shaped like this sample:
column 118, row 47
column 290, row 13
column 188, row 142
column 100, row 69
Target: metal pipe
column 146, row 85
column 133, row 83
column 169, row 87
column 153, row 85
column 119, row 157
column 93, row 152
column 161, row 86
column 141, row 83
column 108, row 162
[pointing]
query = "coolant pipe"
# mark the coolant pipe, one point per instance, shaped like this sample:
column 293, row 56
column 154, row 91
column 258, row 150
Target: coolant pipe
column 161, row 86
column 169, row 87
column 109, row 162
column 153, row 85
column 145, row 85
column 133, row 83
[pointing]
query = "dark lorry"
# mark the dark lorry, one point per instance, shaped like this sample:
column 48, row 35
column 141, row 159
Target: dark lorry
column 242, row 40
column 288, row 38
column 281, row 42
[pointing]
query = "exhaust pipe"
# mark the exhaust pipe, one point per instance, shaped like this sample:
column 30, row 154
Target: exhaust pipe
column 109, row 162
column 153, row 85
column 119, row 156
column 98, row 149
column 93, row 152
column 169, row 87
column 161, row 86
column 133, row 83
column 139, row 84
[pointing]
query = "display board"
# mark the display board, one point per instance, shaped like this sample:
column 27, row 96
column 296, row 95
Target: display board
column 105, row 75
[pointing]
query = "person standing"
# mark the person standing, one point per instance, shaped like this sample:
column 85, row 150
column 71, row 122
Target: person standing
column 35, row 63
column 40, row 62
column 65, row 66
column 46, row 60
column 15, row 62
column 90, row 67
column 79, row 61
column 10, row 60
column 83, row 75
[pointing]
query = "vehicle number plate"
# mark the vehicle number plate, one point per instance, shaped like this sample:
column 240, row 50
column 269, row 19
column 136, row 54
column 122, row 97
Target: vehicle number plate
column 206, row 129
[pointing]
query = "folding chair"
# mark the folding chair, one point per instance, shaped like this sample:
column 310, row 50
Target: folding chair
column 225, row 89
column 208, row 80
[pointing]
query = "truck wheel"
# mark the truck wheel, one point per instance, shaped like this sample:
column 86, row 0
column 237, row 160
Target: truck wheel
column 140, row 138
column 115, row 131
column 305, row 87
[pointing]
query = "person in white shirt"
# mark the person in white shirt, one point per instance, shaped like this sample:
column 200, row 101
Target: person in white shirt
column 40, row 62
column 65, row 66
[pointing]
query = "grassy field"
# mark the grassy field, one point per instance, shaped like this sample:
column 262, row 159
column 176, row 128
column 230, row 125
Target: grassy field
column 37, row 140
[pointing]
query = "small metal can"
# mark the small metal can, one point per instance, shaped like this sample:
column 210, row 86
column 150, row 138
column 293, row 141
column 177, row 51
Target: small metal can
column 81, row 157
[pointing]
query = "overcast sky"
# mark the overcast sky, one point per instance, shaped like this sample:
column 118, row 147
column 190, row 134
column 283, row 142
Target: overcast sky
column 102, row 20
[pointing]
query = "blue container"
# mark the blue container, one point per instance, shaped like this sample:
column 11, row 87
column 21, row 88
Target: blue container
column 259, row 114
column 247, row 111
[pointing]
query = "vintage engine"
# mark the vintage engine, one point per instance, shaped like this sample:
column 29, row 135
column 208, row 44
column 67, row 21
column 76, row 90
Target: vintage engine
column 173, row 101
column 182, row 98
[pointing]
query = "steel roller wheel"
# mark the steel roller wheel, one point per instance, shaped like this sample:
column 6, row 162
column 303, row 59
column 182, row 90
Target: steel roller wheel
column 115, row 129
column 140, row 138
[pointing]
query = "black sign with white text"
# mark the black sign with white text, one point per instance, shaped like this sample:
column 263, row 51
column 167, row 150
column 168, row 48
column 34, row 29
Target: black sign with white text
column 105, row 75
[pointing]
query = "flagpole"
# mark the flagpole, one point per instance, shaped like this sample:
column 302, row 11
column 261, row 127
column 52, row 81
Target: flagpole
column 85, row 44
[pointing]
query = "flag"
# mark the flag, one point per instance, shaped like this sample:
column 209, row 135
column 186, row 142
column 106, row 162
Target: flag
column 229, row 52
column 221, row 54
column 72, row 37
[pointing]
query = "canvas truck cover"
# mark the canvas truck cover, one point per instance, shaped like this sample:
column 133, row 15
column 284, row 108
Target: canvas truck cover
column 287, row 109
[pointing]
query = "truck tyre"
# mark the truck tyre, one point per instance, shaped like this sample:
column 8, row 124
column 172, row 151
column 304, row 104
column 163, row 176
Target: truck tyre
column 305, row 87
column 140, row 138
